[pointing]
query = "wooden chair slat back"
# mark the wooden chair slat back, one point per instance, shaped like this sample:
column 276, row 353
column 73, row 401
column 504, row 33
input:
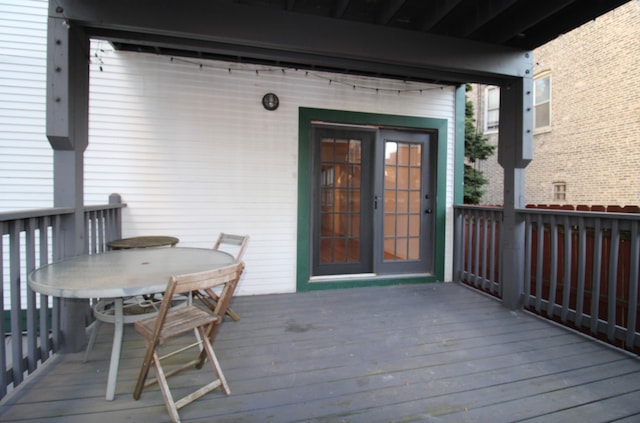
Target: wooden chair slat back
column 201, row 281
column 207, row 279
column 239, row 242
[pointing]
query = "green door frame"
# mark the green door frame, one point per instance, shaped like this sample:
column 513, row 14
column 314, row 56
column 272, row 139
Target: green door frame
column 305, row 118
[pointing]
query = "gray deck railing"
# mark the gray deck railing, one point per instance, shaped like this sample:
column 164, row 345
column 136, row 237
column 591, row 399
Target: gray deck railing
column 30, row 239
column 581, row 267
column 477, row 247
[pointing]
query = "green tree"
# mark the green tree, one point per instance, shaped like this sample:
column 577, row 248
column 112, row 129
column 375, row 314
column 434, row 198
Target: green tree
column 476, row 147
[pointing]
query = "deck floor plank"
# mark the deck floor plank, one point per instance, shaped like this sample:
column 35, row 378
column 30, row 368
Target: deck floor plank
column 434, row 352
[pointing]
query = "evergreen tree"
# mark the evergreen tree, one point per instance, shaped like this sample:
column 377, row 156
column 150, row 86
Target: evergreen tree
column 476, row 147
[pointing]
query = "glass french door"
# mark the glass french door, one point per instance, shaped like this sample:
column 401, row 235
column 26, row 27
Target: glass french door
column 343, row 215
column 371, row 204
column 406, row 217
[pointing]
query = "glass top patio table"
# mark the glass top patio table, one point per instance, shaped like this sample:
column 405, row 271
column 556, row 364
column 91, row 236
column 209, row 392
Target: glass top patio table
column 122, row 273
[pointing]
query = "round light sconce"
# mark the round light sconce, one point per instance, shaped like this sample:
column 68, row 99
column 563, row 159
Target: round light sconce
column 270, row 101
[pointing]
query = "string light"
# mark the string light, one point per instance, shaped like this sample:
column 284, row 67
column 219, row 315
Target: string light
column 416, row 87
column 330, row 80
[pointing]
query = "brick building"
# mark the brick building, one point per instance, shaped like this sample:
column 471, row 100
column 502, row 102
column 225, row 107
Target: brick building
column 483, row 98
column 587, row 136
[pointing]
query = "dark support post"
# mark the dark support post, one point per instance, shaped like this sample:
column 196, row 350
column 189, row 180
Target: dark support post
column 68, row 134
column 514, row 154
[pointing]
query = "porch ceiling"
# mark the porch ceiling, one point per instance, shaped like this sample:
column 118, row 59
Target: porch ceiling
column 522, row 24
column 440, row 40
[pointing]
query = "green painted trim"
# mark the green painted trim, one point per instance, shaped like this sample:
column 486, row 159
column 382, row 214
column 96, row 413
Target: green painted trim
column 458, row 166
column 365, row 282
column 305, row 118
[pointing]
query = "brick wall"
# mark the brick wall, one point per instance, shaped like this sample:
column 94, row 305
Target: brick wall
column 593, row 144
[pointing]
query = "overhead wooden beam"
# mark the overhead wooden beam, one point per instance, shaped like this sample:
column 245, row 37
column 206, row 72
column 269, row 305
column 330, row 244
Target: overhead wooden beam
column 514, row 22
column 566, row 19
column 439, row 10
column 339, row 8
column 389, row 10
column 483, row 16
column 240, row 30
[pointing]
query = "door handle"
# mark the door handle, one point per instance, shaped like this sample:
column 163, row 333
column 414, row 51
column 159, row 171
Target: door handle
column 427, row 211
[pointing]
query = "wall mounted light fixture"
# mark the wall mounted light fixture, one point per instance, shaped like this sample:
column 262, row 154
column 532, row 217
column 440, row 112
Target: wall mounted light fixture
column 270, row 101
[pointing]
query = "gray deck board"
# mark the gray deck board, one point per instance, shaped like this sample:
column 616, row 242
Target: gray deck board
column 436, row 352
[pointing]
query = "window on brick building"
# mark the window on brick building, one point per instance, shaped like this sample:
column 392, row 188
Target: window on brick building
column 492, row 109
column 542, row 100
column 559, row 191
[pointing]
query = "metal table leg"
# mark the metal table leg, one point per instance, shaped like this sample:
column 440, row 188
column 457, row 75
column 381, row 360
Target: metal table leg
column 115, row 350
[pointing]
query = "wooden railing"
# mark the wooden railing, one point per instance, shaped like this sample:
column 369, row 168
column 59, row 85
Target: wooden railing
column 477, row 247
column 580, row 267
column 31, row 239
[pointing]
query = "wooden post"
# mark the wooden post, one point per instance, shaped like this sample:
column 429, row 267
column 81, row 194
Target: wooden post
column 514, row 154
column 116, row 227
column 68, row 134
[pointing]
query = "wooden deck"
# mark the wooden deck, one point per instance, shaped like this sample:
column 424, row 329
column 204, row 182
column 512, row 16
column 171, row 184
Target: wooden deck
column 435, row 352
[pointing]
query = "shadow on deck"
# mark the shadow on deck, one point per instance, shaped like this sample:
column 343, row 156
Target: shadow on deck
column 433, row 352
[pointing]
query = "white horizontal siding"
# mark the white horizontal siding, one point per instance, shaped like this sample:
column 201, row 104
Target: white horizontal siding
column 26, row 160
column 193, row 153
column 189, row 147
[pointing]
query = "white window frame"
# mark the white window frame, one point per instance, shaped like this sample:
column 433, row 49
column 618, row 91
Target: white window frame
column 547, row 102
column 559, row 190
column 488, row 108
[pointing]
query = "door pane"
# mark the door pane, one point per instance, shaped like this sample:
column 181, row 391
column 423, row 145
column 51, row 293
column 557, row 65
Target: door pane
column 402, row 200
column 340, row 189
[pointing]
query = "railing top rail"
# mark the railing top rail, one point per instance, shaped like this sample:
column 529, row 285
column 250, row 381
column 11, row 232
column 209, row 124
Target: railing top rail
column 109, row 206
column 26, row 214
column 564, row 212
column 54, row 211
column 581, row 213
column 476, row 207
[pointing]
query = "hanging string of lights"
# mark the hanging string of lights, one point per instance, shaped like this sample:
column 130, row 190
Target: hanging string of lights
column 331, row 79
column 414, row 87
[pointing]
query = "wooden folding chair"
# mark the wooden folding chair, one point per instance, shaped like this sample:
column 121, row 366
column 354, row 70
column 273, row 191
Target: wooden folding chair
column 171, row 322
column 235, row 245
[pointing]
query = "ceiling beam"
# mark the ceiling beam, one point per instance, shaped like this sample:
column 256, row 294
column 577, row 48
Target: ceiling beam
column 566, row 19
column 244, row 31
column 439, row 10
column 339, row 8
column 389, row 10
column 514, row 22
column 483, row 15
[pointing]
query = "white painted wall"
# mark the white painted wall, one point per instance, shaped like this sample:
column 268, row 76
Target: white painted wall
column 192, row 151
column 26, row 160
